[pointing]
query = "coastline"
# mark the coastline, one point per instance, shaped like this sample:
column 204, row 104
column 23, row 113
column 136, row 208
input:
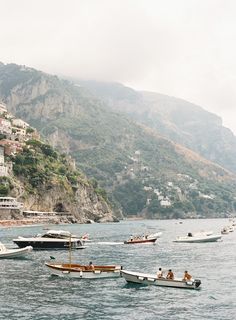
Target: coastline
column 24, row 222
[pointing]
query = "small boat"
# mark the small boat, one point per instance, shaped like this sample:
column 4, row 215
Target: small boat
column 137, row 240
column 74, row 270
column 150, row 279
column 52, row 239
column 13, row 253
column 149, row 238
column 198, row 237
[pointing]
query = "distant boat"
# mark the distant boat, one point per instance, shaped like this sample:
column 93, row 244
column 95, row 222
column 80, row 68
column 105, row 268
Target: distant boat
column 150, row 279
column 52, row 239
column 13, row 253
column 74, row 270
column 199, row 237
column 151, row 238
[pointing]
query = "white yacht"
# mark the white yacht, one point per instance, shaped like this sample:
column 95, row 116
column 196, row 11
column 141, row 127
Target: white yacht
column 52, row 239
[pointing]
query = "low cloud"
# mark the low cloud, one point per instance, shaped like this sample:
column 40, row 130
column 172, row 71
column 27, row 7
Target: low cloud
column 182, row 48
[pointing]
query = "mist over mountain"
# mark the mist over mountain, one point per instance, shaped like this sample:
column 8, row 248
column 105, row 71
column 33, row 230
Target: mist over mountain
column 122, row 141
column 179, row 120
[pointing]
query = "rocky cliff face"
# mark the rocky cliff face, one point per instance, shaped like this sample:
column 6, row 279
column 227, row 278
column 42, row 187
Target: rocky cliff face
column 81, row 201
column 84, row 204
column 136, row 165
column 179, row 120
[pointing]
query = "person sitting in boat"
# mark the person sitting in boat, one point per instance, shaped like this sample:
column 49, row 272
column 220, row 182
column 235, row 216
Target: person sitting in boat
column 91, row 266
column 170, row 275
column 187, row 276
column 160, row 273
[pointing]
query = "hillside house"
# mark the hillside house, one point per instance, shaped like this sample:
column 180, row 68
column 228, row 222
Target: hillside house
column 3, row 167
column 11, row 147
column 18, row 131
column 206, row 196
column 3, row 108
column 145, row 188
column 20, row 123
column 5, row 126
column 157, row 192
column 144, row 169
column 1, row 155
column 3, row 171
column 165, row 202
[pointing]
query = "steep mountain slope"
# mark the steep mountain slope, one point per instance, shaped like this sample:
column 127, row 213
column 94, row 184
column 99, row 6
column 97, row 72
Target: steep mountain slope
column 142, row 172
column 176, row 119
column 47, row 181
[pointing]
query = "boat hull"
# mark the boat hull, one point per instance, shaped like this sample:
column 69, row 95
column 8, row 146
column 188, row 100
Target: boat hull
column 15, row 253
column 47, row 245
column 140, row 241
column 148, row 279
column 198, row 239
column 80, row 272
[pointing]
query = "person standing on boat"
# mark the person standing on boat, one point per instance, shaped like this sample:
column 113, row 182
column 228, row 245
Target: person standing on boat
column 170, row 275
column 187, row 276
column 160, row 273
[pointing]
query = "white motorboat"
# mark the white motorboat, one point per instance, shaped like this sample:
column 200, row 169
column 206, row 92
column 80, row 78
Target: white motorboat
column 74, row 270
column 52, row 239
column 199, row 237
column 150, row 279
column 13, row 253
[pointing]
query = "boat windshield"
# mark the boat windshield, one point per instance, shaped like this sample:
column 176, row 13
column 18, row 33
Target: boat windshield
column 57, row 234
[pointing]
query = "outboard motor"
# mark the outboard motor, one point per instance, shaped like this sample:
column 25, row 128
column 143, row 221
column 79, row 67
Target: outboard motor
column 197, row 283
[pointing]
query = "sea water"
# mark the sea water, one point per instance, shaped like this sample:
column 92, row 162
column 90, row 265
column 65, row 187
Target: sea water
column 27, row 291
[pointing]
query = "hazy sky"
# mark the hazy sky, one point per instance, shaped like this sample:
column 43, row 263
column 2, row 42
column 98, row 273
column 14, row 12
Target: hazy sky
column 183, row 48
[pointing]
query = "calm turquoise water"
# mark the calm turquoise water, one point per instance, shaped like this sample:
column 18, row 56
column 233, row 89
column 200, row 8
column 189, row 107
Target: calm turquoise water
column 27, row 291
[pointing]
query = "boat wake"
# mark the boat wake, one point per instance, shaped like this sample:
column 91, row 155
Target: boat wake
column 110, row 243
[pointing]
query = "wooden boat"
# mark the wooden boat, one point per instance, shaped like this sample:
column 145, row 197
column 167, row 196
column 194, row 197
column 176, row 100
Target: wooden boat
column 14, row 253
column 52, row 239
column 198, row 237
column 74, row 270
column 150, row 279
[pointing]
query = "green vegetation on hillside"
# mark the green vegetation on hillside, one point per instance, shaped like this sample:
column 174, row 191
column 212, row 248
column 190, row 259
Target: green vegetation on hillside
column 142, row 172
column 39, row 164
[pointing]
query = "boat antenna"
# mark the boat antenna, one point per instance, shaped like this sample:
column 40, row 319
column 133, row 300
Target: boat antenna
column 70, row 255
